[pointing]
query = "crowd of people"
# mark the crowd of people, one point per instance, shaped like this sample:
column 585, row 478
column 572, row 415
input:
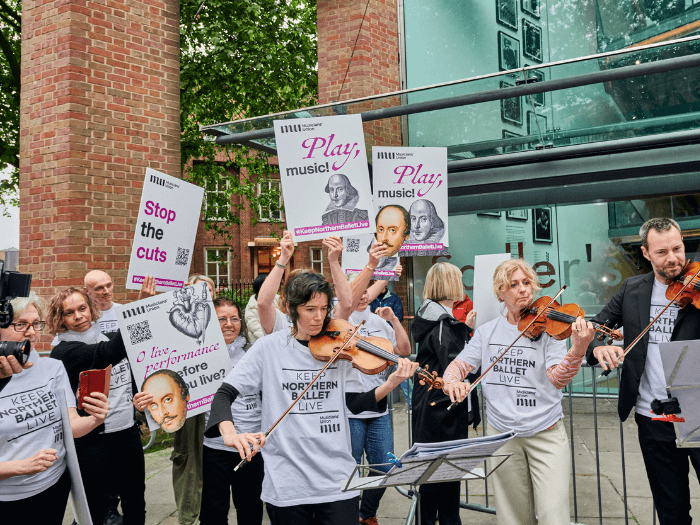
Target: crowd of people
column 296, row 478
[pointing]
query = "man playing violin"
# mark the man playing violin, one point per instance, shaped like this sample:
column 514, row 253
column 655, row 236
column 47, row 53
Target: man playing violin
column 309, row 454
column 638, row 302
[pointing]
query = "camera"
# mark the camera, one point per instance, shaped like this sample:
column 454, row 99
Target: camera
column 12, row 284
column 20, row 350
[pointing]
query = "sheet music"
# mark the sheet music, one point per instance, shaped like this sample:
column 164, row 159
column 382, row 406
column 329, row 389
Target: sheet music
column 461, row 457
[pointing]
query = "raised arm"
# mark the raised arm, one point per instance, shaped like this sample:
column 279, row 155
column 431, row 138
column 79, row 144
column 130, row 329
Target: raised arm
column 268, row 291
column 343, row 292
column 403, row 345
column 361, row 282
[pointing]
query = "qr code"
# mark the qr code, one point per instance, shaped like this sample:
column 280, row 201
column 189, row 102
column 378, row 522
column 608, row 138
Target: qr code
column 139, row 332
column 183, row 255
column 353, row 245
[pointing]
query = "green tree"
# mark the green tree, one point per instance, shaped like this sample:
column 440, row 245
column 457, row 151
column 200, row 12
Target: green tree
column 10, row 37
column 240, row 59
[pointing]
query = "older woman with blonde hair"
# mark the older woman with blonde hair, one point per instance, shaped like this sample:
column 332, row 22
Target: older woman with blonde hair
column 523, row 394
column 440, row 339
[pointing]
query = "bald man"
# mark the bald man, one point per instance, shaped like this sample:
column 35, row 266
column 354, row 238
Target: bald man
column 344, row 198
column 121, row 432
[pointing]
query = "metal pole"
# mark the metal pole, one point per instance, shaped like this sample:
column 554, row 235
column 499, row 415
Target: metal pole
column 622, row 451
column 587, row 79
column 573, row 457
column 597, row 453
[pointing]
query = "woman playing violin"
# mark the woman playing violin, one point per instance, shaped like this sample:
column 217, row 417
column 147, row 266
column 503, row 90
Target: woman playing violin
column 523, row 393
column 309, row 454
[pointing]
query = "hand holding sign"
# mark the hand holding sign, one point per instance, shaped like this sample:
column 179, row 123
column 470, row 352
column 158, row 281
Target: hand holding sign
column 335, row 248
column 286, row 247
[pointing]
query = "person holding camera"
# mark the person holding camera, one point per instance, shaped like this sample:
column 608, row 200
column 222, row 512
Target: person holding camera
column 83, row 347
column 34, row 480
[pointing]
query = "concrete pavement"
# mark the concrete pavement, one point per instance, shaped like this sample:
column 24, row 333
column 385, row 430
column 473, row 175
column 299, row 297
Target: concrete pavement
column 394, row 507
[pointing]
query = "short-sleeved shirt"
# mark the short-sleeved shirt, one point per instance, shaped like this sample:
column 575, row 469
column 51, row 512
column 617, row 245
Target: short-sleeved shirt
column 377, row 327
column 518, row 393
column 30, row 421
column 309, row 453
column 245, row 410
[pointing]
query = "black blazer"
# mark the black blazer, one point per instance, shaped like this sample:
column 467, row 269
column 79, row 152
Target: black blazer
column 629, row 308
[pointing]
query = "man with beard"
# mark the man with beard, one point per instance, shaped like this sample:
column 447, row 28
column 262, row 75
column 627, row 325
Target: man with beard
column 344, row 198
column 639, row 300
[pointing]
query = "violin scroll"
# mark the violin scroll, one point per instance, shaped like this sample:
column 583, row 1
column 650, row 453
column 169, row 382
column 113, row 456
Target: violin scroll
column 431, row 378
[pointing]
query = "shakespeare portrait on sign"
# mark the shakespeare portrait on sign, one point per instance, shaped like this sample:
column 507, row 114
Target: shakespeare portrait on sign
column 426, row 225
column 343, row 201
column 393, row 228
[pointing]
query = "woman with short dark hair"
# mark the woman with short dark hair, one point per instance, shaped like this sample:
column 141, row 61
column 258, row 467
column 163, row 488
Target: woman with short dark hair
column 309, row 453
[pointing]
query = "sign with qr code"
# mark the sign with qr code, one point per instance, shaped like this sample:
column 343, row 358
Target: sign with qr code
column 410, row 194
column 356, row 254
column 177, row 353
column 325, row 178
column 165, row 231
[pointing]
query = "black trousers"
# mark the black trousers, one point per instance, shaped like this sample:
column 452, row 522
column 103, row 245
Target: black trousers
column 440, row 499
column 47, row 507
column 344, row 512
column 667, row 469
column 221, row 484
column 128, row 478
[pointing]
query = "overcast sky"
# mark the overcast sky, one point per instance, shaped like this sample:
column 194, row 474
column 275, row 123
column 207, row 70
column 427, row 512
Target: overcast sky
column 9, row 227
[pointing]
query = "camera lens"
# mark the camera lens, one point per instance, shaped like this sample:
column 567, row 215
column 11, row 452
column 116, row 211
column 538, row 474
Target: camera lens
column 18, row 349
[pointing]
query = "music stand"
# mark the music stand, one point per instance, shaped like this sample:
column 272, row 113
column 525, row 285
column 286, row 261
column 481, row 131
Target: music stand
column 436, row 463
column 681, row 361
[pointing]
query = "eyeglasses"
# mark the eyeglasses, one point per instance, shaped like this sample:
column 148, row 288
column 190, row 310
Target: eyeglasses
column 23, row 327
column 234, row 320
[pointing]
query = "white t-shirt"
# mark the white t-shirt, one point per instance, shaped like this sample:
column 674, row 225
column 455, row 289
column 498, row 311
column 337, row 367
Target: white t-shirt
column 309, row 453
column 652, row 384
column 121, row 412
column 377, row 327
column 246, row 409
column 30, row 421
column 518, row 393
column 282, row 322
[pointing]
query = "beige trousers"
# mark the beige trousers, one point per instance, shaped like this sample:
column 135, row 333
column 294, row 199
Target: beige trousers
column 534, row 481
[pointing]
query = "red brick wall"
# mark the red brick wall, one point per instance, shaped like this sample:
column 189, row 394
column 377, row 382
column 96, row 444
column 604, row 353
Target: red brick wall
column 100, row 104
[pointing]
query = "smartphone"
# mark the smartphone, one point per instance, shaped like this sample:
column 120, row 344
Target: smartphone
column 93, row 381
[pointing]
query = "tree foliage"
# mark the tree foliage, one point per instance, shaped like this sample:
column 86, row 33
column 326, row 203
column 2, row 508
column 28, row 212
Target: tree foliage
column 240, row 59
column 10, row 38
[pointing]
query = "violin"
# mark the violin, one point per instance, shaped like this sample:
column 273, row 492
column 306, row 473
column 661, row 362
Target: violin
column 369, row 354
column 556, row 320
column 689, row 283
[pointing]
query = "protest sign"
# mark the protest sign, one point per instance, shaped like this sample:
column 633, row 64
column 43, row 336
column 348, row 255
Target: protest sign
column 410, row 194
column 165, row 231
column 325, row 179
column 485, row 303
column 176, row 351
column 356, row 254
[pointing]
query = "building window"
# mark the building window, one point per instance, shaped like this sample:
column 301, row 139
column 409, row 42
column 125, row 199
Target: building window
column 216, row 202
column 218, row 265
column 317, row 259
column 265, row 213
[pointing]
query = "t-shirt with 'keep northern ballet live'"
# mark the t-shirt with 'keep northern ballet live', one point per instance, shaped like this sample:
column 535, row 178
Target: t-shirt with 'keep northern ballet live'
column 652, row 384
column 309, row 453
column 30, row 421
column 518, row 393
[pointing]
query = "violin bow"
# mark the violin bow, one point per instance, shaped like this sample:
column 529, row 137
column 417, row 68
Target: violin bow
column 299, row 398
column 478, row 380
column 639, row 337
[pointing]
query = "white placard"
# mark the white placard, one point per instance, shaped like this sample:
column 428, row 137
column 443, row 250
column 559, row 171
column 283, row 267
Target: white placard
column 356, row 255
column 411, row 182
column 170, row 335
column 165, row 231
column 325, row 179
column 485, row 303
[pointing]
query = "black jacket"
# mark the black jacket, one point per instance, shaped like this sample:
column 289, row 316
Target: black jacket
column 440, row 339
column 78, row 357
column 630, row 308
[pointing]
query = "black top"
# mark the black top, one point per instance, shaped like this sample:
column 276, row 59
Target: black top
column 440, row 339
column 630, row 308
column 78, row 357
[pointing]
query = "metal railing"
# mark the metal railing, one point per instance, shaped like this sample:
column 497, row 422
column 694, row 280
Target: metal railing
column 594, row 397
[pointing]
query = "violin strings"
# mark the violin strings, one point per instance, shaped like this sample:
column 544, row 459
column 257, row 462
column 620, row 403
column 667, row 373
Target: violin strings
column 560, row 316
column 379, row 352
